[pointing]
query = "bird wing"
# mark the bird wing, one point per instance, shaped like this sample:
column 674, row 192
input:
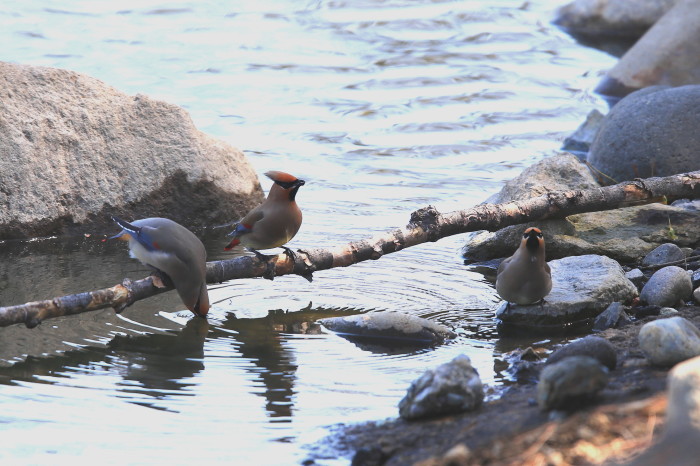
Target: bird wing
column 502, row 266
column 245, row 225
column 547, row 269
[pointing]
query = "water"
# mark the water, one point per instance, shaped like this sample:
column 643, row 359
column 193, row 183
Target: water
column 383, row 107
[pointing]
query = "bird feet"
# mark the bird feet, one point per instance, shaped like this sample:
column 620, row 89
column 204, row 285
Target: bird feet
column 269, row 265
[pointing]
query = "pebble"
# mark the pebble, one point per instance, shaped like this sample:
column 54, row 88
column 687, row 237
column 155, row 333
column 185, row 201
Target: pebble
column 636, row 276
column 597, row 348
column 448, row 389
column 613, row 316
column 667, row 287
column 667, row 252
column 666, row 342
column 696, row 295
column 571, row 382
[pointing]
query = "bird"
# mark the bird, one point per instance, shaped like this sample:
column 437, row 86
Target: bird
column 525, row 277
column 273, row 223
column 173, row 250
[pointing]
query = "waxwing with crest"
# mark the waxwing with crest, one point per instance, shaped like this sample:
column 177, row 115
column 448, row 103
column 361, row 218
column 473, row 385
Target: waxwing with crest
column 525, row 277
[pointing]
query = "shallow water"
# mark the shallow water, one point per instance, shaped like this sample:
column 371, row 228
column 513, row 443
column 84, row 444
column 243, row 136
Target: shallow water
column 383, row 107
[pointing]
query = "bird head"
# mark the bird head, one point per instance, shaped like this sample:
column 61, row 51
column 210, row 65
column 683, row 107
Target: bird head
column 533, row 239
column 289, row 183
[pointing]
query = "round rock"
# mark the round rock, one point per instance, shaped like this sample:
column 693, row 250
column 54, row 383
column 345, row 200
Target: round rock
column 390, row 327
column 613, row 316
column 449, row 388
column 597, row 348
column 651, row 132
column 571, row 382
column 667, row 287
column 667, row 252
column 666, row 342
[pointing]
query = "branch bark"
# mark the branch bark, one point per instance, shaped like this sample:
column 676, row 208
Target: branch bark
column 426, row 224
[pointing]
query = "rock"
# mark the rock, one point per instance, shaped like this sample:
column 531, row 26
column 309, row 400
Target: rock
column 450, row 388
column 680, row 443
column 556, row 173
column 613, row 316
column 583, row 287
column 389, row 327
column 695, row 278
column 683, row 412
column 667, row 312
column 523, row 365
column 667, row 287
column 666, row 342
column 625, row 234
column 696, row 295
column 630, row 18
column 580, row 141
column 668, row 54
column 76, row 150
column 597, row 348
column 667, row 252
column 571, row 382
column 636, row 276
column 651, row 132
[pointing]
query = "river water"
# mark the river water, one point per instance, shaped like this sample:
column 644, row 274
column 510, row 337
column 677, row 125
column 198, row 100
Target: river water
column 383, row 107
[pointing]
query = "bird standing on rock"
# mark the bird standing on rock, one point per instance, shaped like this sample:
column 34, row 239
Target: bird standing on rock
column 525, row 277
column 173, row 250
column 273, row 223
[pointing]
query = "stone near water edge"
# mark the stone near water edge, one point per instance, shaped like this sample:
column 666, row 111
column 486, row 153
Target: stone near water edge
column 389, row 326
column 651, row 132
column 611, row 18
column 75, row 150
column 597, row 348
column 583, row 287
column 450, row 388
column 668, row 341
column 580, row 141
column 570, row 383
column 613, row 316
column 668, row 54
column 667, row 287
column 667, row 252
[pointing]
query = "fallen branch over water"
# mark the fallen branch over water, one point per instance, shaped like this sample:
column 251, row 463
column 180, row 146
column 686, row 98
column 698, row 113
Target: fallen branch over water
column 426, row 224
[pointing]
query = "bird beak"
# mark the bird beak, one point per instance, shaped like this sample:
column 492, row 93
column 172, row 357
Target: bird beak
column 122, row 236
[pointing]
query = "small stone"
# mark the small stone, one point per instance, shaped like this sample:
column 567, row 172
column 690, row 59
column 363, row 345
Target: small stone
column 683, row 412
column 696, row 295
column 571, row 382
column 667, row 252
column 459, row 454
column 666, row 342
column 667, row 287
column 695, row 277
column 667, row 312
column 597, row 348
column 450, row 388
column 613, row 316
column 390, row 327
column 636, row 276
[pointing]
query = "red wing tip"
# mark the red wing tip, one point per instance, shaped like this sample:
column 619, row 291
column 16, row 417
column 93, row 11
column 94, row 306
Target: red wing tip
column 232, row 244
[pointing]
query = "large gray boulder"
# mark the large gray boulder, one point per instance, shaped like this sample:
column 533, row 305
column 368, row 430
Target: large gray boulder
column 652, row 132
column 75, row 150
column 582, row 288
column 614, row 18
column 668, row 54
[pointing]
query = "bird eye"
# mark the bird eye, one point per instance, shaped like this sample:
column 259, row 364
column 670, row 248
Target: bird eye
column 525, row 236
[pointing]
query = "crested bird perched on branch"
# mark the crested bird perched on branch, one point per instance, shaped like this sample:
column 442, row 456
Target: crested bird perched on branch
column 525, row 277
column 173, row 250
column 273, row 223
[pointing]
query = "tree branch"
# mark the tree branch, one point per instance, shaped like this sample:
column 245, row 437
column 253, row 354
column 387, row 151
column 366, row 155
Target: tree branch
column 426, row 224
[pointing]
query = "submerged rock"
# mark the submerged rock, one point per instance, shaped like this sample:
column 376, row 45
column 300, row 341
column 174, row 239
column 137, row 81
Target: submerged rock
column 595, row 347
column 450, row 388
column 583, row 286
column 389, row 327
column 571, row 382
column 667, row 287
column 666, row 342
column 75, row 150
